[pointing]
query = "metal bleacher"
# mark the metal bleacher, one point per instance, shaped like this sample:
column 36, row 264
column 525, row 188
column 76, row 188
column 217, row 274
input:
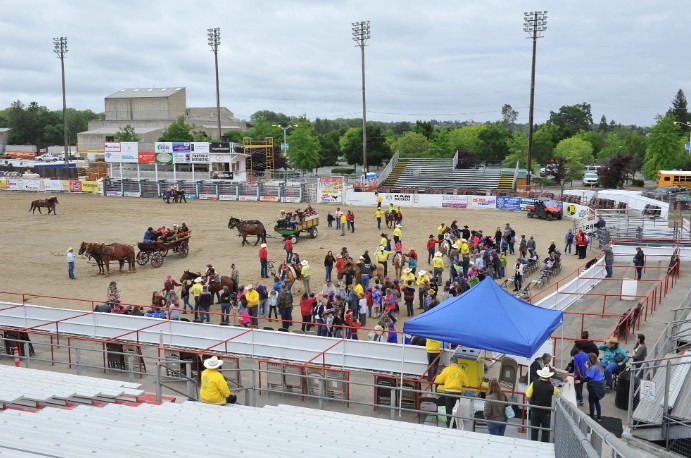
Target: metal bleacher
column 439, row 173
column 191, row 428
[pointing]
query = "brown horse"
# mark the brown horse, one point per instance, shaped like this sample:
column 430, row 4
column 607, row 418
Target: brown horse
column 45, row 203
column 245, row 228
column 398, row 263
column 103, row 254
column 91, row 251
column 377, row 270
column 214, row 287
column 391, row 218
column 178, row 196
column 158, row 300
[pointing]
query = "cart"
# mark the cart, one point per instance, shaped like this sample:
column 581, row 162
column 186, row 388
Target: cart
column 309, row 225
column 156, row 251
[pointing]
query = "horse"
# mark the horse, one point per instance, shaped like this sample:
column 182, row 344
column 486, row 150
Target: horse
column 214, row 287
column 391, row 218
column 46, row 203
column 178, row 196
column 445, row 247
column 398, row 263
column 245, row 228
column 116, row 252
column 90, row 250
column 158, row 300
column 377, row 270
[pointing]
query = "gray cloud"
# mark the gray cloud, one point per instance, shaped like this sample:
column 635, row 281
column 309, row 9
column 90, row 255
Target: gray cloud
column 443, row 60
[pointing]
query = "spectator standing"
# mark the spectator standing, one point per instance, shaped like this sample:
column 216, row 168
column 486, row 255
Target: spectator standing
column 352, row 221
column 433, row 348
column 273, row 303
column 305, row 273
column 568, row 241
column 185, row 295
column 580, row 370
column 531, row 245
column 431, row 248
column 454, row 380
column 306, row 312
column 409, row 298
column 214, row 388
column 340, row 270
column 263, row 301
column 288, row 245
column 263, row 261
column 495, row 409
column 609, row 260
column 581, row 244
column 252, row 297
column 225, row 305
column 523, row 247
column 329, row 262
column 639, row 262
column 438, row 267
column 330, row 219
column 285, row 307
column 174, row 310
column 235, row 275
column 196, row 291
column 362, row 312
column 540, row 394
column 596, row 386
column 70, row 263
column 205, row 300
column 337, row 215
column 343, row 221
column 518, row 275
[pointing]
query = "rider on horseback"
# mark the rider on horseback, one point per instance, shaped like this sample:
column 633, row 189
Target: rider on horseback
column 210, row 275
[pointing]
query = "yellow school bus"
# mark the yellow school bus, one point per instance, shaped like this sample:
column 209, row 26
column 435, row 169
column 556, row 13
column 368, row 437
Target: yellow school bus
column 674, row 178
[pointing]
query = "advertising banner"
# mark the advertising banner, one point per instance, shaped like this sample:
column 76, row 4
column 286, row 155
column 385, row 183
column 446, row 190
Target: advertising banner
column 163, row 147
column 525, row 202
column 164, row 158
column 129, row 147
column 114, row 193
column 219, row 147
column 227, row 197
column 199, row 147
column 398, row 198
column 52, row 185
column 449, row 201
column 578, row 211
column 65, row 185
column 75, row 186
column 330, row 190
column 3, row 183
column 182, row 147
column 291, row 199
column 484, row 202
column 508, row 203
column 89, row 186
column 15, row 184
column 268, row 199
column 132, row 194
column 146, row 157
column 32, row 185
column 248, row 198
column 111, row 147
column 207, row 197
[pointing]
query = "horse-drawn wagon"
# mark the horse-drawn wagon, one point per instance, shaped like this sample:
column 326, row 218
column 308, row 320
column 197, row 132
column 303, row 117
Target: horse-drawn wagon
column 156, row 251
column 307, row 224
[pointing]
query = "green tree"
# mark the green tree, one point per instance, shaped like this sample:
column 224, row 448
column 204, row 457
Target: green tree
column 664, row 147
column 270, row 117
column 127, row 134
column 201, row 136
column 508, row 117
column 571, row 119
column 603, row 127
column 425, row 128
column 378, row 152
column 597, row 138
column 179, row 131
column 544, row 139
column 576, row 153
column 616, row 170
column 613, row 146
column 411, row 144
column 679, row 110
column 304, row 150
column 440, row 146
column 330, row 150
column 466, row 139
column 518, row 150
column 494, row 138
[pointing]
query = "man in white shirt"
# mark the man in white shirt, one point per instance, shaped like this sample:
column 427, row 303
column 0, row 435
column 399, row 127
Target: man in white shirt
column 70, row 263
column 329, row 289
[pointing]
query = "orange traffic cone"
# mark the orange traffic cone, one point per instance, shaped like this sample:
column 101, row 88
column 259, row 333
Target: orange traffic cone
column 17, row 362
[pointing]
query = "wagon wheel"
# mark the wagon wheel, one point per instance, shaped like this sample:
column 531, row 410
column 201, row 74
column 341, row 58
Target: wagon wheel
column 164, row 252
column 142, row 258
column 294, row 238
column 530, row 214
column 313, row 232
column 156, row 260
column 184, row 249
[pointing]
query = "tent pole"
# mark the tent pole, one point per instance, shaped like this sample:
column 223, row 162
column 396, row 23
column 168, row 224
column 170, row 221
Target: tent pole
column 400, row 395
column 561, row 351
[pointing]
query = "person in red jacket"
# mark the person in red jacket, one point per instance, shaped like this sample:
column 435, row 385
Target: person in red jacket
column 264, row 261
column 340, row 271
column 431, row 248
column 289, row 249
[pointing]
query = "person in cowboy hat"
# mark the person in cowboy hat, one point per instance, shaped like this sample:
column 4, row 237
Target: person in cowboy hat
column 214, row 388
column 382, row 257
column 411, row 256
column 539, row 395
column 70, row 263
column 377, row 335
column 454, row 380
column 305, row 273
column 263, row 261
column 543, row 361
column 196, row 291
column 397, row 234
column 407, row 277
column 613, row 359
column 438, row 267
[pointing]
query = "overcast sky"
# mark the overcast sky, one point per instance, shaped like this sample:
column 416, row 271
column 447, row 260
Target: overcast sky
column 446, row 60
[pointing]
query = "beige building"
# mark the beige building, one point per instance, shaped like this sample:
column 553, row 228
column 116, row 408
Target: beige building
column 151, row 111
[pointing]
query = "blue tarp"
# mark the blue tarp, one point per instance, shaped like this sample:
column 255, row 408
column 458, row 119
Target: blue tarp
column 488, row 318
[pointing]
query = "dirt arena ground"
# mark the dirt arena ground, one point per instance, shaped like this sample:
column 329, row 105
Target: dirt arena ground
column 34, row 246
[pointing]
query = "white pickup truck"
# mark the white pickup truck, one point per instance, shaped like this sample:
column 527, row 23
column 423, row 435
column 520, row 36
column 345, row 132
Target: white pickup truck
column 49, row 157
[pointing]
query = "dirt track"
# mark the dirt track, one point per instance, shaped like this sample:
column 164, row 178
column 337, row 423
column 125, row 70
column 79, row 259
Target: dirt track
column 34, row 246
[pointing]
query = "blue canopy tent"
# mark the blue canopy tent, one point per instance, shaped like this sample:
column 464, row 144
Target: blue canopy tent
column 488, row 318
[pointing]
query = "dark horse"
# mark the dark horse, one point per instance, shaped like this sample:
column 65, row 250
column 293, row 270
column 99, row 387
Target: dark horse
column 245, row 228
column 178, row 196
column 214, row 287
column 103, row 254
column 46, row 203
column 391, row 218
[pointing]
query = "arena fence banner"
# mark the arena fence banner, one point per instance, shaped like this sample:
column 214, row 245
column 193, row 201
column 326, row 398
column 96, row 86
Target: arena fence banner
column 131, row 188
column 292, row 194
column 227, row 191
column 451, row 201
column 508, row 203
column 248, row 193
column 269, row 193
column 207, row 190
column 330, row 190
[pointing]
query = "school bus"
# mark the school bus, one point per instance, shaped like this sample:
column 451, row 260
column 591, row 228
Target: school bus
column 674, row 178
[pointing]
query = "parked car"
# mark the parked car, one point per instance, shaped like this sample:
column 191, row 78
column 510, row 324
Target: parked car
column 48, row 157
column 590, row 179
column 548, row 170
column 663, row 191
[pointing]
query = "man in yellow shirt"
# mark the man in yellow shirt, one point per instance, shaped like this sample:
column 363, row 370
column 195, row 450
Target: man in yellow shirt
column 407, row 277
column 540, row 394
column 454, row 380
column 252, row 297
column 423, row 286
column 440, row 231
column 465, row 249
column 214, row 389
column 379, row 199
column 382, row 258
column 378, row 214
column 195, row 292
column 438, row 266
column 397, row 234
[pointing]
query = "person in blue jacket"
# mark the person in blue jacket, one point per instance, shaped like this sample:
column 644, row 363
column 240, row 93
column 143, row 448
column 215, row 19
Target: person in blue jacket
column 596, row 389
column 613, row 359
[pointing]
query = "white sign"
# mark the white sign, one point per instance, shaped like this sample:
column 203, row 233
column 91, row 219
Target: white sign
column 227, row 197
column 131, row 194
column 647, row 390
column 114, row 193
column 111, row 147
column 200, row 147
column 163, row 147
column 132, row 148
column 484, row 202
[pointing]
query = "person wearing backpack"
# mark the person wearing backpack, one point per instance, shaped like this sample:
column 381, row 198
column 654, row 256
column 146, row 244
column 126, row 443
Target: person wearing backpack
column 568, row 240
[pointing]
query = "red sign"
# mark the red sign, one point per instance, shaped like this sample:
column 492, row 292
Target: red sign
column 146, row 157
column 75, row 186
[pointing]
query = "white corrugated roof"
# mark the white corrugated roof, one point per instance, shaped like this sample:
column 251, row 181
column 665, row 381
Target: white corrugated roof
column 145, row 92
column 115, row 130
column 191, row 429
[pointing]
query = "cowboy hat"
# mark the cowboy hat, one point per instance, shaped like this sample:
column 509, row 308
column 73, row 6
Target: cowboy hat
column 338, row 256
column 198, row 280
column 381, row 248
column 437, row 254
column 249, row 286
column 379, row 330
column 213, row 363
column 398, row 225
column 613, row 340
column 263, row 245
column 545, row 372
column 362, row 257
column 422, row 272
column 304, row 263
column 70, row 249
column 407, row 270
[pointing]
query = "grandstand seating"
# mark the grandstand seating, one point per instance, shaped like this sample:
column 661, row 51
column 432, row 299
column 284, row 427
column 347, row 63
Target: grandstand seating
column 423, row 173
column 190, row 428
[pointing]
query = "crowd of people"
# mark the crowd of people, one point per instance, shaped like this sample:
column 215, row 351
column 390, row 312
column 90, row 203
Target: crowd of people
column 166, row 234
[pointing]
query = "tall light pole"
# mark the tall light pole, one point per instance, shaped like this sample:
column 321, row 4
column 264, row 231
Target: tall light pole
column 284, row 145
column 61, row 49
column 534, row 23
column 214, row 41
column 361, row 33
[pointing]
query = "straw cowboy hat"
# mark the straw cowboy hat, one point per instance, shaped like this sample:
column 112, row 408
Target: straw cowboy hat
column 545, row 372
column 381, row 248
column 304, row 263
column 398, row 225
column 379, row 330
column 213, row 363
column 422, row 272
column 198, row 280
column 70, row 249
column 263, row 245
column 437, row 254
column 407, row 271
column 613, row 340
column 249, row 286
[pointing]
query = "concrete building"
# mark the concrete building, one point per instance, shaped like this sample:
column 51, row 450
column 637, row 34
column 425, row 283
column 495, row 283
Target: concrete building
column 151, row 111
column 4, row 135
